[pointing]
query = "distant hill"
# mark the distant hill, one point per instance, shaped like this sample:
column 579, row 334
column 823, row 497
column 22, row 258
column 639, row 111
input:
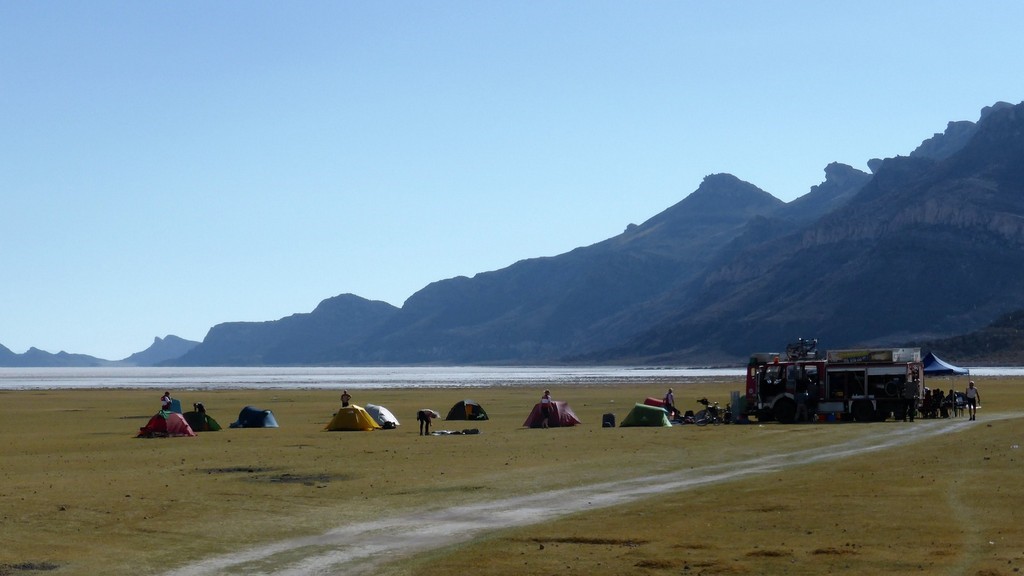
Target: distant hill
column 162, row 350
column 1001, row 343
column 329, row 334
column 36, row 358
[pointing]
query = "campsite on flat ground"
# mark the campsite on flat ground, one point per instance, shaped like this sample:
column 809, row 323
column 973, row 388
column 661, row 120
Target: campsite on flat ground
column 81, row 495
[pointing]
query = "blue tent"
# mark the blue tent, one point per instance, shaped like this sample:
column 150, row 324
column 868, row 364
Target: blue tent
column 935, row 366
column 251, row 417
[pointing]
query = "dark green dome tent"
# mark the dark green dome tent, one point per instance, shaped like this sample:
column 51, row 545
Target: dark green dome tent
column 466, row 410
column 199, row 420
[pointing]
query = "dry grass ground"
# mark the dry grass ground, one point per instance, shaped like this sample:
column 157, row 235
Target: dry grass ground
column 80, row 495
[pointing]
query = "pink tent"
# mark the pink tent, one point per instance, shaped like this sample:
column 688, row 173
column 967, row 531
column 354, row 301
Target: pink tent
column 562, row 416
column 166, row 424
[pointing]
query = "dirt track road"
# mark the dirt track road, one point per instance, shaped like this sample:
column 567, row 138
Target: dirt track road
column 358, row 549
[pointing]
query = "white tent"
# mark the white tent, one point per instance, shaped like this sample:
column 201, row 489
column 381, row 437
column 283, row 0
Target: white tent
column 382, row 415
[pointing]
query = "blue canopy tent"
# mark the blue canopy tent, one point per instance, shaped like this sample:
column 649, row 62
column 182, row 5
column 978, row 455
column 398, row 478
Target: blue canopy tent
column 935, row 366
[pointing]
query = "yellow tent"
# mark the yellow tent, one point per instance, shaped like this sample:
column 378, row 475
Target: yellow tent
column 352, row 417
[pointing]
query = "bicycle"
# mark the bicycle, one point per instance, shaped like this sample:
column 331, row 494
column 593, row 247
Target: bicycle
column 711, row 414
column 802, row 349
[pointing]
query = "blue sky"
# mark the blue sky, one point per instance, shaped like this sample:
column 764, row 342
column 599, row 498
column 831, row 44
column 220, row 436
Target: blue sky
column 167, row 166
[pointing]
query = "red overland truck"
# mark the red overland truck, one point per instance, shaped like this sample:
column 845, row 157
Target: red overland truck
column 865, row 385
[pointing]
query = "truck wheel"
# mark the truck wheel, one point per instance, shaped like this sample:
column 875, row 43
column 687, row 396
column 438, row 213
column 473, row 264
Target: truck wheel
column 887, row 408
column 862, row 411
column 785, row 411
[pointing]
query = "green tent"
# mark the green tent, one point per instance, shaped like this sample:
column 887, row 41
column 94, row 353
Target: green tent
column 200, row 422
column 644, row 415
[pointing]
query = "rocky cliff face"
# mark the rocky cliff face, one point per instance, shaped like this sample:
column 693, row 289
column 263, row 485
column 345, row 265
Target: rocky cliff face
column 945, row 144
column 841, row 183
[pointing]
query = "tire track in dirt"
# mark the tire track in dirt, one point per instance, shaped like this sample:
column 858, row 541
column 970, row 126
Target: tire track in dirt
column 359, row 548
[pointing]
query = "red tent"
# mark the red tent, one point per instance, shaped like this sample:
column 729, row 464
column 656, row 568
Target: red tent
column 654, row 402
column 166, row 424
column 562, row 416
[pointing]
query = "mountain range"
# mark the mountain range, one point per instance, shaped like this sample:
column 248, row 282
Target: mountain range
column 923, row 249
column 160, row 351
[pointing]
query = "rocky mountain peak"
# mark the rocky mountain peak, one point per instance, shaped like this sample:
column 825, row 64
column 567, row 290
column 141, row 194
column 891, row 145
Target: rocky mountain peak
column 720, row 200
column 994, row 108
column 838, row 174
column 726, row 196
column 957, row 134
column 160, row 350
column 944, row 145
column 726, row 187
column 841, row 183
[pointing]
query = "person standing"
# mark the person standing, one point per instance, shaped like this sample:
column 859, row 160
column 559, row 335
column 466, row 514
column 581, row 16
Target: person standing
column 545, row 408
column 910, row 395
column 345, row 398
column 670, row 404
column 973, row 399
column 165, row 401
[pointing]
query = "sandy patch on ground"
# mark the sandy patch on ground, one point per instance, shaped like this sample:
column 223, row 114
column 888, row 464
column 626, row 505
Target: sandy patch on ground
column 360, row 548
